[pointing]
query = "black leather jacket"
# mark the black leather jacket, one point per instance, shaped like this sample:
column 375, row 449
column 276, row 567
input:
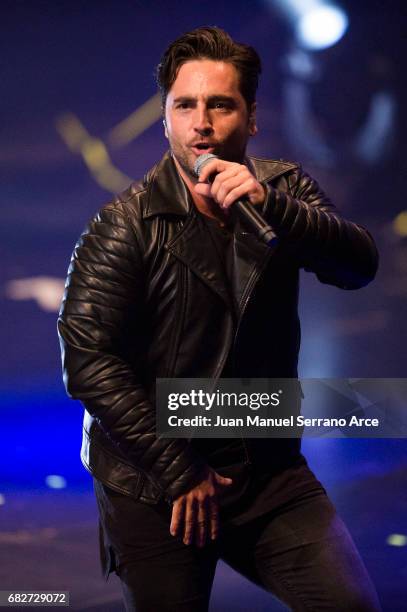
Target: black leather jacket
column 145, row 298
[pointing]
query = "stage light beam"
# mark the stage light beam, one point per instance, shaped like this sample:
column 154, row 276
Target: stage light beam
column 321, row 27
column 317, row 24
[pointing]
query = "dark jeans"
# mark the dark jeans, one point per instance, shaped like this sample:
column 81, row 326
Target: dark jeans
column 302, row 553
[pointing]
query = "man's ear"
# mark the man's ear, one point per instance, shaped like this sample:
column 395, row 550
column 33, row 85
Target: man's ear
column 252, row 119
column 165, row 128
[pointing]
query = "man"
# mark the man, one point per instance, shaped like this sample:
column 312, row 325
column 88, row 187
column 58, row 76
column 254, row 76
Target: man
column 168, row 282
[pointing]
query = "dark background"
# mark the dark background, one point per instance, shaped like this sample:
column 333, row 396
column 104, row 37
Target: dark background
column 339, row 111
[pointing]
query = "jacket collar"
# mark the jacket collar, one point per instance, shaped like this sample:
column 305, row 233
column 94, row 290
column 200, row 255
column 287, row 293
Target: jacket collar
column 168, row 194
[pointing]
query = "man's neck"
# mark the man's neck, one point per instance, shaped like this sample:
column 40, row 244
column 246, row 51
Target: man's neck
column 206, row 206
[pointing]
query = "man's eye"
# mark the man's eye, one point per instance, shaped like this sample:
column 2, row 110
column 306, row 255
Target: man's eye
column 183, row 105
column 222, row 106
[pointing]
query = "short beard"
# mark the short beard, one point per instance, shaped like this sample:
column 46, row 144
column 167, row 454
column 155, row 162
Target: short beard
column 183, row 162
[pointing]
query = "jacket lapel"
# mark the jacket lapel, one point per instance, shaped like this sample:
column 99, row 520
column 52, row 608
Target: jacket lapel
column 168, row 195
column 203, row 261
column 250, row 257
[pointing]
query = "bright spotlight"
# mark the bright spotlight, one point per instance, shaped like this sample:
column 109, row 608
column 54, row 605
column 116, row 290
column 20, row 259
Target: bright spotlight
column 397, row 539
column 321, row 27
column 54, row 481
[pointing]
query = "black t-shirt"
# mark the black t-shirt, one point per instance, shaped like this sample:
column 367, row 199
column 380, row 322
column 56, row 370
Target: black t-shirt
column 257, row 487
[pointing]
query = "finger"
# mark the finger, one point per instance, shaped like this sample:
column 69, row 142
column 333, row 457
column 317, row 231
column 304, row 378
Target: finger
column 232, row 170
column 212, row 190
column 211, row 167
column 226, row 186
column 225, row 175
column 213, row 518
column 223, row 480
column 201, row 524
column 177, row 515
column 190, row 514
column 243, row 190
column 203, row 189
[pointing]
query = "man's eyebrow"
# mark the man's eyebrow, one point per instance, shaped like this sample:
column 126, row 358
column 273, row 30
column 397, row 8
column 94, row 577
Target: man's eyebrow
column 184, row 99
column 210, row 99
column 221, row 98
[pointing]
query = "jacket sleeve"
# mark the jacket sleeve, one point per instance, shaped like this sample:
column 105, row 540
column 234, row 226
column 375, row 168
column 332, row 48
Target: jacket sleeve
column 340, row 252
column 104, row 291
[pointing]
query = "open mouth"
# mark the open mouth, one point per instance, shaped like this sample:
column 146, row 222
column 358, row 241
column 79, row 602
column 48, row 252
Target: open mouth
column 203, row 147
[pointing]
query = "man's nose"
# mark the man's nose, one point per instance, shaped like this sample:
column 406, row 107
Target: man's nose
column 202, row 122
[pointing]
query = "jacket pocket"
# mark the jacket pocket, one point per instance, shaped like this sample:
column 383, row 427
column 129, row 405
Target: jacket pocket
column 106, row 467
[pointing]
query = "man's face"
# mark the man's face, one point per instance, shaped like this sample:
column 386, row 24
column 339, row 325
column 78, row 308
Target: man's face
column 205, row 112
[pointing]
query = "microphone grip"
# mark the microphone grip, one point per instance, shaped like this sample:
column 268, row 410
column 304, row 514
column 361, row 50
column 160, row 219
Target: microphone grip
column 246, row 210
column 256, row 221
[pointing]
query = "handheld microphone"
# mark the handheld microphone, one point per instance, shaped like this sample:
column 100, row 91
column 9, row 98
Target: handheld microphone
column 246, row 210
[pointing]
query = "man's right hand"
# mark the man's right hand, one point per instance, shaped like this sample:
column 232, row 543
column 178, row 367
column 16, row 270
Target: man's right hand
column 196, row 514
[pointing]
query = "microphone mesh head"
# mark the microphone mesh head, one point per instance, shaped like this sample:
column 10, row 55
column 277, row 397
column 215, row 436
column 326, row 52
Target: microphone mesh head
column 201, row 162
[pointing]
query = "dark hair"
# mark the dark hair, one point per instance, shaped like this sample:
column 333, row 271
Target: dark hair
column 215, row 44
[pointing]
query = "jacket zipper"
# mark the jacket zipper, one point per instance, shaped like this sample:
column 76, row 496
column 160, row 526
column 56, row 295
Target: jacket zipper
column 247, row 298
column 244, row 306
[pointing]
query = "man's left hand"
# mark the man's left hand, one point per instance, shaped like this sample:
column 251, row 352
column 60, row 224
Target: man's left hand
column 232, row 182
